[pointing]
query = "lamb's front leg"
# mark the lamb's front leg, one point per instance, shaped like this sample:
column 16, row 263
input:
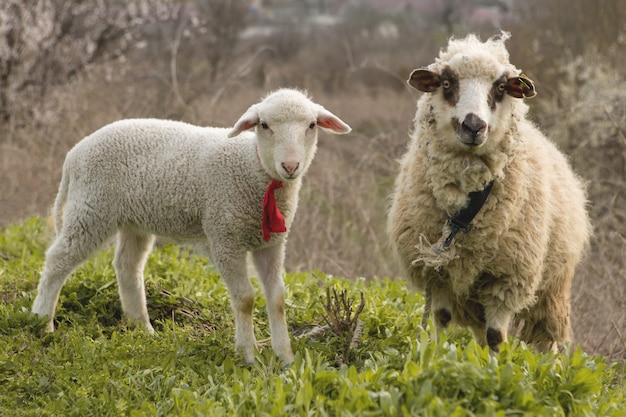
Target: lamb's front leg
column 269, row 265
column 232, row 267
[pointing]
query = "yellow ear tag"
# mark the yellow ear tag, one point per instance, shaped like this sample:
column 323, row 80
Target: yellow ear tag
column 528, row 84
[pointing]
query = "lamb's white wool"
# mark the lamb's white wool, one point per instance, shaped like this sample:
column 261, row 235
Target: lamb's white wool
column 519, row 256
column 144, row 177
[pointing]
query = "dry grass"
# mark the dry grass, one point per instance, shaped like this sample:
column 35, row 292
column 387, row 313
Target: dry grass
column 593, row 135
column 340, row 225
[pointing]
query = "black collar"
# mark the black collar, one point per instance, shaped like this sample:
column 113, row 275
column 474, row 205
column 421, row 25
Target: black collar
column 460, row 222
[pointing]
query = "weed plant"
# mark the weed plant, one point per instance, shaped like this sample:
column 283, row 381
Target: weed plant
column 96, row 364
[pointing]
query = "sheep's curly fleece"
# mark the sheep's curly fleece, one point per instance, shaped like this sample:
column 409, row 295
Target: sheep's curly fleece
column 524, row 244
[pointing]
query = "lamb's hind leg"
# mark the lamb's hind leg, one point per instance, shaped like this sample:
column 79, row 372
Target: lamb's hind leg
column 80, row 236
column 269, row 263
column 131, row 253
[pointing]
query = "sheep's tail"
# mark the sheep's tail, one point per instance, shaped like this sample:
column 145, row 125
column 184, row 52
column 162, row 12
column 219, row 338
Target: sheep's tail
column 59, row 202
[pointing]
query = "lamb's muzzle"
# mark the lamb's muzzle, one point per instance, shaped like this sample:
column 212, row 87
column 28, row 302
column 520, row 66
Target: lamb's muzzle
column 290, row 168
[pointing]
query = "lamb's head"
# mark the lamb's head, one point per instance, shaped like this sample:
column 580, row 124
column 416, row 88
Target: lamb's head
column 475, row 91
column 286, row 124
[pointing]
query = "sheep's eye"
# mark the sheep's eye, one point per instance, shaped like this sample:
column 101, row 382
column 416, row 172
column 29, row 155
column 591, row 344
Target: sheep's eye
column 501, row 87
column 312, row 125
column 264, row 125
column 445, row 84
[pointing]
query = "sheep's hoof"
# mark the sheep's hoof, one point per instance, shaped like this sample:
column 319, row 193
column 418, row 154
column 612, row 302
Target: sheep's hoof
column 554, row 347
column 494, row 339
column 548, row 346
column 443, row 317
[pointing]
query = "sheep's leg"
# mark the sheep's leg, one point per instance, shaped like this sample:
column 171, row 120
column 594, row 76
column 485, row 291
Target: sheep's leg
column 269, row 264
column 547, row 323
column 131, row 253
column 480, row 333
column 78, row 239
column 59, row 264
column 498, row 318
column 232, row 267
column 442, row 306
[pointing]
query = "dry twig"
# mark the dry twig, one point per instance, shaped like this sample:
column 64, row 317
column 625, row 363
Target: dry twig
column 341, row 320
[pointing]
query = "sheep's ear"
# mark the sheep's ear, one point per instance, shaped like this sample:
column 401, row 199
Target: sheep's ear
column 424, row 80
column 520, row 87
column 246, row 122
column 329, row 121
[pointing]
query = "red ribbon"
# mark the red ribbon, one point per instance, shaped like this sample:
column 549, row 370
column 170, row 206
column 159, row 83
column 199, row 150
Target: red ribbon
column 273, row 220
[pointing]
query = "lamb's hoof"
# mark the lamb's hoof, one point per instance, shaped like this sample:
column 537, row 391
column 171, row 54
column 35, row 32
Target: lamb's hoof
column 286, row 359
column 141, row 324
column 494, row 339
column 248, row 355
column 148, row 327
column 48, row 328
column 44, row 326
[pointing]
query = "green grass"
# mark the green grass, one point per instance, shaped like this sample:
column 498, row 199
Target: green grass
column 96, row 365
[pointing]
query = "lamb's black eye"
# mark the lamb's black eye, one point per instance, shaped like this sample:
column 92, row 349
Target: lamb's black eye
column 312, row 125
column 264, row 125
column 445, row 84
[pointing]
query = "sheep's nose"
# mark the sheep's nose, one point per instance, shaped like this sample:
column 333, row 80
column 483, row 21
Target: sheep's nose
column 474, row 125
column 290, row 167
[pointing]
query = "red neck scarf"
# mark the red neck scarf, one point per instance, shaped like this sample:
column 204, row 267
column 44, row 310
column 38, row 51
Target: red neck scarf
column 273, row 220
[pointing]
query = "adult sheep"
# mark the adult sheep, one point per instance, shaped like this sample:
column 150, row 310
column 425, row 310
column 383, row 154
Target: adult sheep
column 471, row 142
column 230, row 191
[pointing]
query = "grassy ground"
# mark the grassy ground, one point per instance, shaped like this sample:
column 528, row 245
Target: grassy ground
column 95, row 365
column 360, row 76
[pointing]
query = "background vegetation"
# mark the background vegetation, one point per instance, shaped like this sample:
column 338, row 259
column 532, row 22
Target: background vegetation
column 67, row 67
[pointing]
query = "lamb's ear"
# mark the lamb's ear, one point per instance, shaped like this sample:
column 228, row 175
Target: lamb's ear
column 247, row 121
column 329, row 121
column 424, row 80
column 520, row 87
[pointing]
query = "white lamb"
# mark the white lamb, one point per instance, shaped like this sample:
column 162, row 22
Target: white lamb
column 226, row 190
column 471, row 141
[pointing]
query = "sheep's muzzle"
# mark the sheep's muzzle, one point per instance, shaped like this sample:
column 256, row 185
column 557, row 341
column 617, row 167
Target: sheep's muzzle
column 472, row 131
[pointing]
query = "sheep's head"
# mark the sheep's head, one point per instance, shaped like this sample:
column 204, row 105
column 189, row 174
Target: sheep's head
column 474, row 87
column 286, row 124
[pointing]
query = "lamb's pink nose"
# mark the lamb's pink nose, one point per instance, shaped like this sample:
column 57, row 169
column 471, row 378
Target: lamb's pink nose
column 290, row 167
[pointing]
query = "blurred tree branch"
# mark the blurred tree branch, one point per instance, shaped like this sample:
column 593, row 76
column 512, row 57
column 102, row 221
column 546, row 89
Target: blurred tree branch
column 45, row 42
